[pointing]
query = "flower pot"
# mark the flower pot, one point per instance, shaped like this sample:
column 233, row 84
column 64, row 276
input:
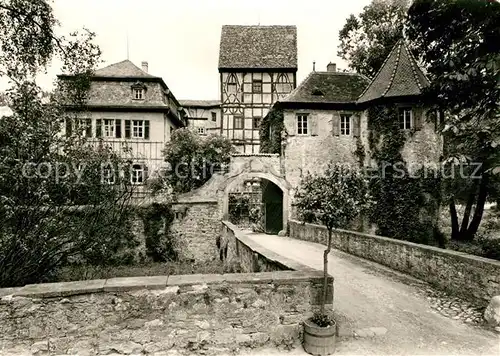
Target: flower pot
column 319, row 341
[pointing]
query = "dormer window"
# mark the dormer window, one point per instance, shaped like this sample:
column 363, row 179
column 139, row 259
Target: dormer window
column 317, row 92
column 138, row 91
column 138, row 94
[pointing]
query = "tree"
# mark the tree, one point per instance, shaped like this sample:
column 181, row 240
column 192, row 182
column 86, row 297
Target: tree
column 193, row 159
column 367, row 39
column 55, row 208
column 333, row 198
column 459, row 41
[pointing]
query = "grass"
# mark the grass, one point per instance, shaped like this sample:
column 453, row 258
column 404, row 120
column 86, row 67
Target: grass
column 487, row 240
column 87, row 272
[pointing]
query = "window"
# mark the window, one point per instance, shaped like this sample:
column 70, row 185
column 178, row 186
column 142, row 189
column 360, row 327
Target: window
column 138, row 128
column 345, row 125
column 83, row 127
column 138, row 174
column 302, row 124
column 405, row 118
column 201, row 130
column 138, row 93
column 108, row 175
column 282, row 85
column 109, row 128
column 238, row 122
column 231, row 84
column 214, row 116
column 257, row 86
column 256, row 122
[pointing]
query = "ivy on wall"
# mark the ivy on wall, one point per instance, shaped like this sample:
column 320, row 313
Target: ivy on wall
column 270, row 131
column 157, row 219
column 406, row 206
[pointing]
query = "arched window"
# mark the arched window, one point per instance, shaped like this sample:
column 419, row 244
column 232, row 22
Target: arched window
column 232, row 84
column 282, row 84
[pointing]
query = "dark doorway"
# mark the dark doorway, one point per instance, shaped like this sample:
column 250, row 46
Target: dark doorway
column 272, row 203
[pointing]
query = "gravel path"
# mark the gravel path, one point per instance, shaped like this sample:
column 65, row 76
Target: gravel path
column 382, row 312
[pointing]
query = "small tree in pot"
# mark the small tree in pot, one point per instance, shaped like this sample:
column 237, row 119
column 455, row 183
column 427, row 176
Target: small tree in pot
column 334, row 198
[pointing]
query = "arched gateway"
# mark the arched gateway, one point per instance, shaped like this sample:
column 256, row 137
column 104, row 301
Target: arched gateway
column 275, row 190
column 198, row 213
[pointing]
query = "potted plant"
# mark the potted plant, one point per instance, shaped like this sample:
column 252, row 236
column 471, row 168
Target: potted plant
column 333, row 198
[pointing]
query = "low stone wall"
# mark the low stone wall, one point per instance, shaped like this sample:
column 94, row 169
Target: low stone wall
column 195, row 229
column 251, row 256
column 459, row 273
column 208, row 314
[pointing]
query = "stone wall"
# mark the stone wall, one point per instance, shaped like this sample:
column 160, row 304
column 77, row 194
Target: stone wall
column 195, row 229
column 252, row 257
column 210, row 314
column 472, row 277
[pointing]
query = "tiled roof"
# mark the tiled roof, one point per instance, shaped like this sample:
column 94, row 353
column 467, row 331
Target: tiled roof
column 328, row 87
column 122, row 69
column 258, row 47
column 398, row 76
column 200, row 103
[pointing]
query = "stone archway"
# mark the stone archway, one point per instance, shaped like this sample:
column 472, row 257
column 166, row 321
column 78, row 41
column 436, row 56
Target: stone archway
column 279, row 182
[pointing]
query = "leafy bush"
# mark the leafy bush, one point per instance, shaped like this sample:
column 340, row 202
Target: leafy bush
column 193, row 159
column 160, row 244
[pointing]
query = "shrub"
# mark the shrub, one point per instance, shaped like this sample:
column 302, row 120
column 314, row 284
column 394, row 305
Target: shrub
column 160, row 244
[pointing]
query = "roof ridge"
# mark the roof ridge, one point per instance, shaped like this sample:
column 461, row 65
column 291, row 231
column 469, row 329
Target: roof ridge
column 396, row 64
column 413, row 63
column 379, row 70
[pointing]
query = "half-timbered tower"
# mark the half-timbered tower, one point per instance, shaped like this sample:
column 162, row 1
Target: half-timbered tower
column 257, row 66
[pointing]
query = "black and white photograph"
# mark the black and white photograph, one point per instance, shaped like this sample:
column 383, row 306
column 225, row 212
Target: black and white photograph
column 249, row 177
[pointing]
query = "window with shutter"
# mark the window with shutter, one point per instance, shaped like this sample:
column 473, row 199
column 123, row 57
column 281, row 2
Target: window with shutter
column 302, row 124
column 98, row 128
column 118, row 128
column 356, row 126
column 345, row 124
column 336, row 125
column 405, row 118
column 127, row 128
column 314, row 125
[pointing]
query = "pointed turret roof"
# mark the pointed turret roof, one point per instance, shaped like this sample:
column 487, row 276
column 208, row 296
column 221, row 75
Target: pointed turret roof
column 122, row 69
column 398, row 76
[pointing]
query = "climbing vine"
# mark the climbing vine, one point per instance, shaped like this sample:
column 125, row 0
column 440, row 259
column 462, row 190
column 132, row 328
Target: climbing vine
column 405, row 205
column 270, row 131
column 157, row 219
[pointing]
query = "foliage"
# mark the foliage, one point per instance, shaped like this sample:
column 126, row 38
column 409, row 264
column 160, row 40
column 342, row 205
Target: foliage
column 413, row 199
column 334, row 198
column 160, row 245
column 44, row 225
column 239, row 206
column 193, row 159
column 459, row 41
column 322, row 320
column 271, row 128
column 367, row 39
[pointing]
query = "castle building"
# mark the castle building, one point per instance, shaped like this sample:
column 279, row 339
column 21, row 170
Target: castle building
column 203, row 116
column 326, row 116
column 129, row 108
column 257, row 66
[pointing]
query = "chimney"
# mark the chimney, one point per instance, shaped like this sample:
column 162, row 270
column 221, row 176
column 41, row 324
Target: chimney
column 331, row 67
column 145, row 66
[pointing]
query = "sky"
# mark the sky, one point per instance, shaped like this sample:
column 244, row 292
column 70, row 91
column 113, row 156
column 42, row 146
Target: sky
column 180, row 39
